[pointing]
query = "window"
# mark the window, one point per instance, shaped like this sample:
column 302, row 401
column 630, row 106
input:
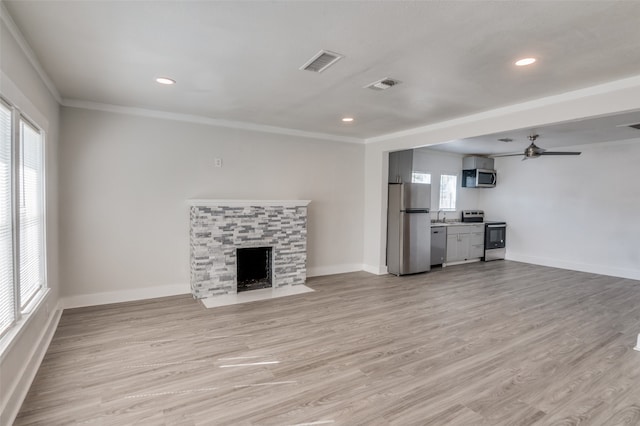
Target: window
column 31, row 213
column 448, row 185
column 22, row 258
column 417, row 177
column 7, row 305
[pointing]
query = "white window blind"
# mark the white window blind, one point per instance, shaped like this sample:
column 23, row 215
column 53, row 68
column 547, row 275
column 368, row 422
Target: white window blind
column 448, row 185
column 7, row 287
column 31, row 233
column 419, row 177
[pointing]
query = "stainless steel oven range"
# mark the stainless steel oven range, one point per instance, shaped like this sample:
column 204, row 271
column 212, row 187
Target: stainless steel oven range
column 495, row 240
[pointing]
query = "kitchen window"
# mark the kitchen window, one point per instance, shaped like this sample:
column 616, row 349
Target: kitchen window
column 22, row 258
column 417, row 177
column 448, row 185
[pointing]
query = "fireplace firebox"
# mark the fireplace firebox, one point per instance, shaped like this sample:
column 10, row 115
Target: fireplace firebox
column 254, row 268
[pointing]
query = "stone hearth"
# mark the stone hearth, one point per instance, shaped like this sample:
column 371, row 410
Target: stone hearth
column 220, row 227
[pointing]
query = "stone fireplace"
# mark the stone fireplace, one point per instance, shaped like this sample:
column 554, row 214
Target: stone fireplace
column 240, row 245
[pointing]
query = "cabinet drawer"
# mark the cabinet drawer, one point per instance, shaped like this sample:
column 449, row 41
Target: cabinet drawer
column 476, row 228
column 459, row 229
column 465, row 229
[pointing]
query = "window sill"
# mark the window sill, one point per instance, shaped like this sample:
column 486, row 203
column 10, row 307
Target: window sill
column 15, row 331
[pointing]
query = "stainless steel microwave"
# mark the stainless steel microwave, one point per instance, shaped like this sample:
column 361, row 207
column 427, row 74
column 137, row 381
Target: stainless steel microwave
column 478, row 178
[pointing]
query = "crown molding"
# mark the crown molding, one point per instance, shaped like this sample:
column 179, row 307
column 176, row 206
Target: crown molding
column 26, row 49
column 198, row 119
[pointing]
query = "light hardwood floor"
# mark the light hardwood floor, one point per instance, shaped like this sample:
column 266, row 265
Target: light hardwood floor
column 500, row 343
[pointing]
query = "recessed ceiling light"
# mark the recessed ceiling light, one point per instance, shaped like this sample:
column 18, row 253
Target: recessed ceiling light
column 165, row 80
column 525, row 61
column 347, row 119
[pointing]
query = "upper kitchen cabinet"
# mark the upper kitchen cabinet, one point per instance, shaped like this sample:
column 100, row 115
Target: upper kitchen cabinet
column 400, row 166
column 477, row 162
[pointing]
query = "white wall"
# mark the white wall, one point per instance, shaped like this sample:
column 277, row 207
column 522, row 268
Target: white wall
column 577, row 212
column 19, row 360
column 438, row 163
column 125, row 180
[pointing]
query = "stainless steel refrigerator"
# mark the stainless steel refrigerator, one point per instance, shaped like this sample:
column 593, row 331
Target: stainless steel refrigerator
column 409, row 228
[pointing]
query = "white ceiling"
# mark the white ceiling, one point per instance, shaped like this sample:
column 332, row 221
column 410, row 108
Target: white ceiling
column 239, row 60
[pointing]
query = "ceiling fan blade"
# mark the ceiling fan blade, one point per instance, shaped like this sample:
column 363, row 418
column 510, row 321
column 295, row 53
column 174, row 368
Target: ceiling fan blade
column 559, row 153
column 534, row 151
column 507, row 155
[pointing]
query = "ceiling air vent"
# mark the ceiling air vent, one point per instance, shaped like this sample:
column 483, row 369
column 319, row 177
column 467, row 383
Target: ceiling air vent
column 321, row 61
column 383, row 84
column 635, row 126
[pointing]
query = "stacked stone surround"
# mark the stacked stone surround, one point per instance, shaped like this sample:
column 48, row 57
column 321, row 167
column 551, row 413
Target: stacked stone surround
column 220, row 227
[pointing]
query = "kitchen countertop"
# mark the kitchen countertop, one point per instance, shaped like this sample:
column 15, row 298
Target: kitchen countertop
column 436, row 224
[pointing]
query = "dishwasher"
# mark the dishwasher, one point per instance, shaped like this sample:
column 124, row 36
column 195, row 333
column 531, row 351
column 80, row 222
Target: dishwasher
column 438, row 245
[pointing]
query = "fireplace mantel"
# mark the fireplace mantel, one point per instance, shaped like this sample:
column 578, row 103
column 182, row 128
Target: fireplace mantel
column 248, row 203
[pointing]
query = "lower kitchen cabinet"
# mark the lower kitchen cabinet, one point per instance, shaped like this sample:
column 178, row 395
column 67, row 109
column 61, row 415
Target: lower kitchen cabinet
column 457, row 244
column 465, row 242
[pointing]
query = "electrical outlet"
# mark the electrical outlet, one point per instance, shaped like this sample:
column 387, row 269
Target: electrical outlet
column 218, row 162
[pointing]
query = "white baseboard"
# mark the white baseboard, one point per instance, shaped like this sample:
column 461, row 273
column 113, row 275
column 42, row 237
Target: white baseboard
column 575, row 266
column 82, row 300
column 378, row 270
column 334, row 269
column 28, row 372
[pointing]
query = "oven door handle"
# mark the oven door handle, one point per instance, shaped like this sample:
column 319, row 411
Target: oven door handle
column 496, row 226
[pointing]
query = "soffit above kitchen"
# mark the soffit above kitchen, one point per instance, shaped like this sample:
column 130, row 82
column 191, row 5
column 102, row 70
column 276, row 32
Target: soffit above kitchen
column 608, row 128
column 239, row 61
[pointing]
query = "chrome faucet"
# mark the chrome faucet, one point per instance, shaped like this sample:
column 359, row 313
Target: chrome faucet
column 438, row 216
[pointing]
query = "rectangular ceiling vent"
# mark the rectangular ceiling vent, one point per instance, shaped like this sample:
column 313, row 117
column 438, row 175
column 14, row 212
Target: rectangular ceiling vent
column 321, row 61
column 383, row 84
column 635, row 126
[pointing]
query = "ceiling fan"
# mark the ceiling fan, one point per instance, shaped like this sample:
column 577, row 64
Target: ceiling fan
column 533, row 151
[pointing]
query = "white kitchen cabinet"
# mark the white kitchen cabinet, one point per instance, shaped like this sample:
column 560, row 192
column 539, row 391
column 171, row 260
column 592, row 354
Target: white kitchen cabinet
column 457, row 245
column 476, row 241
column 476, row 162
column 465, row 242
